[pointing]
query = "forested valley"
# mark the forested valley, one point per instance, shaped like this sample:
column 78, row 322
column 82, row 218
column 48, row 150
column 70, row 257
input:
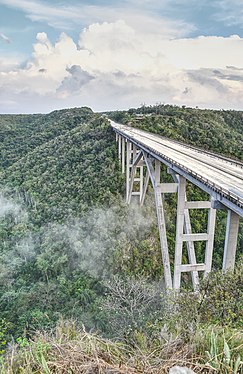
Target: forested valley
column 81, row 276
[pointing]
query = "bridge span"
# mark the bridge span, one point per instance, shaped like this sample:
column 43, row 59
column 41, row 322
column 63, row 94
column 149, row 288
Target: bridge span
column 219, row 176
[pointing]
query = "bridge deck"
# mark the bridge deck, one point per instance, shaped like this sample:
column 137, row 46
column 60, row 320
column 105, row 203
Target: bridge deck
column 217, row 173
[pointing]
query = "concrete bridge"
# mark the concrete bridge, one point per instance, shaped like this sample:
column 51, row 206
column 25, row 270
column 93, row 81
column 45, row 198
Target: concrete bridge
column 219, row 176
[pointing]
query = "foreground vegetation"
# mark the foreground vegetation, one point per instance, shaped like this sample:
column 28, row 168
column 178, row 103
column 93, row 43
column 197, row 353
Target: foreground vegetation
column 153, row 332
column 71, row 250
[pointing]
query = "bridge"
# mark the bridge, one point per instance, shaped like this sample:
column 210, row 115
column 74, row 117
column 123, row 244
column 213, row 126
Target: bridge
column 141, row 155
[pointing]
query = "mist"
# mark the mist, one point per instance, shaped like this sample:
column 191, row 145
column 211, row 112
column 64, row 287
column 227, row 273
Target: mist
column 87, row 244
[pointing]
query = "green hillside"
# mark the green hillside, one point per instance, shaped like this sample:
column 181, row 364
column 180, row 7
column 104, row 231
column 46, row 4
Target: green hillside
column 71, row 248
column 21, row 134
column 217, row 131
column 73, row 170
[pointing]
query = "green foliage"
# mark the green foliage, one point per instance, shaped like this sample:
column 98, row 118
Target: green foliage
column 151, row 326
column 64, row 227
column 58, row 179
column 223, row 359
column 219, row 303
column 222, row 298
column 20, row 134
column 4, row 329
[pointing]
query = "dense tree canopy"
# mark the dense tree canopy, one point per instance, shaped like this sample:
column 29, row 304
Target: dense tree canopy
column 64, row 227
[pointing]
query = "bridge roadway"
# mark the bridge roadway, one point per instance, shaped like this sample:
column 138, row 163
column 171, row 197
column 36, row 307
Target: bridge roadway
column 218, row 175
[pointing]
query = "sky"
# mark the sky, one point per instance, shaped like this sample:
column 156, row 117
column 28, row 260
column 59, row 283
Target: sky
column 111, row 55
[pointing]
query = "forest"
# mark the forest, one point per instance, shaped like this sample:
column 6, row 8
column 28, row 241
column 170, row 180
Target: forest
column 81, row 276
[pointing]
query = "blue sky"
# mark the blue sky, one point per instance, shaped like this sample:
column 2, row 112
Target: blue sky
column 184, row 52
column 206, row 18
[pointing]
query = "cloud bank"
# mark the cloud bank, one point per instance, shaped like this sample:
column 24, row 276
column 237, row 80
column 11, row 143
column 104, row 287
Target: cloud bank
column 117, row 65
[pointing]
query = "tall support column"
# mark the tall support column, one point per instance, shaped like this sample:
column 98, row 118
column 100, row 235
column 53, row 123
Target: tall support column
column 119, row 147
column 231, row 240
column 132, row 177
column 190, row 244
column 191, row 250
column 179, row 231
column 162, row 227
column 128, row 169
column 141, row 183
column 145, row 187
column 134, row 152
column 123, row 155
column 210, row 241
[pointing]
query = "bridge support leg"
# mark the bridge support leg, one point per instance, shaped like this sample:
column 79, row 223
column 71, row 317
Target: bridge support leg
column 210, row 241
column 184, row 225
column 189, row 244
column 134, row 168
column 179, row 231
column 145, row 187
column 128, row 169
column 134, row 152
column 119, row 147
column 162, row 227
column 123, row 155
column 231, row 240
column 141, row 183
column 191, row 249
column 154, row 175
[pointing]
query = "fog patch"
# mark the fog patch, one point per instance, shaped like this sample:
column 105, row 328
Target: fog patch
column 9, row 206
column 85, row 244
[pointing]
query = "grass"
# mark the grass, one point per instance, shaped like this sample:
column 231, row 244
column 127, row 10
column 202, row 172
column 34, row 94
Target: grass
column 200, row 331
column 72, row 350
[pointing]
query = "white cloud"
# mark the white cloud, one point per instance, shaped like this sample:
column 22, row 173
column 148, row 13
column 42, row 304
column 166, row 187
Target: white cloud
column 116, row 66
column 135, row 13
column 230, row 12
column 57, row 16
column 4, row 38
column 9, row 63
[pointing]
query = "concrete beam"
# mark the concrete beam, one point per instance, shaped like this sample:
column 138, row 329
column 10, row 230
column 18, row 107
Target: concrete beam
column 198, row 205
column 194, row 237
column 168, row 187
column 192, row 267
